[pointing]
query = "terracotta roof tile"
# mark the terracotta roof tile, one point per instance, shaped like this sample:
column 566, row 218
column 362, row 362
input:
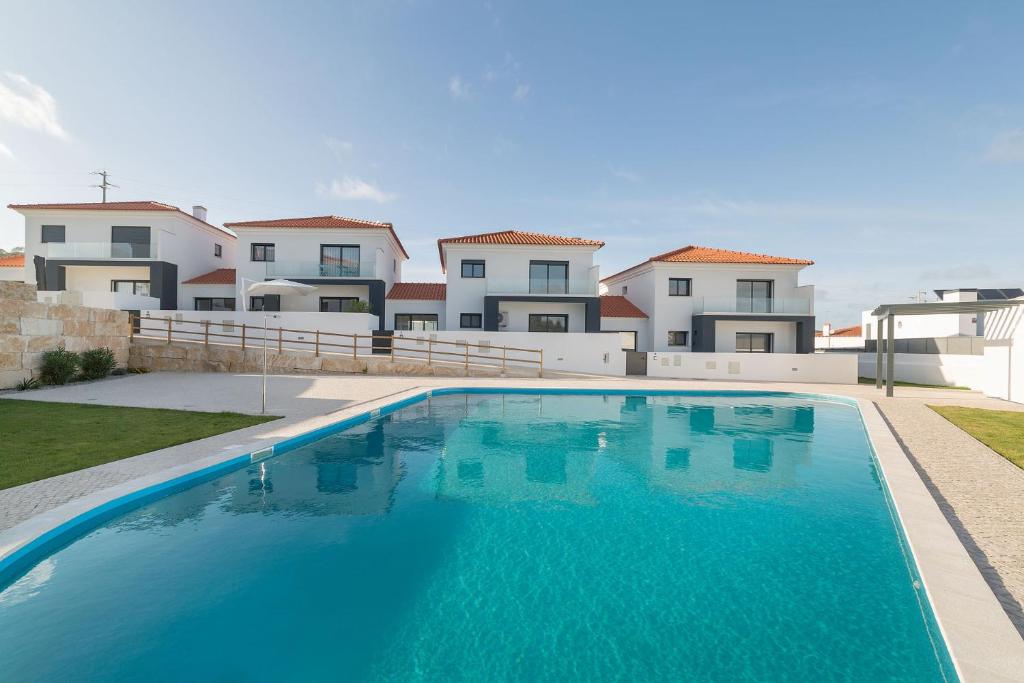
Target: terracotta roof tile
column 114, row 206
column 221, row 276
column 516, row 237
column 320, row 222
column 12, row 261
column 697, row 254
column 613, row 306
column 852, row 331
column 418, row 291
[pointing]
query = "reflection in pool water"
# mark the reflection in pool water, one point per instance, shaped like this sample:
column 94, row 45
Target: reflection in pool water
column 480, row 537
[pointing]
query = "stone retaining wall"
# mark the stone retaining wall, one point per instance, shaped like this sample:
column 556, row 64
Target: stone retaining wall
column 29, row 327
column 182, row 356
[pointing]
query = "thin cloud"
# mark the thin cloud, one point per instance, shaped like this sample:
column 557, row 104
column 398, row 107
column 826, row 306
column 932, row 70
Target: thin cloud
column 5, row 151
column 350, row 188
column 521, row 91
column 28, row 105
column 1007, row 147
column 625, row 174
column 340, row 148
column 458, row 88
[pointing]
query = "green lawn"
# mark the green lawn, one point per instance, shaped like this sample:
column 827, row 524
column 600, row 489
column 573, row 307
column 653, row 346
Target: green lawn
column 40, row 440
column 1000, row 430
column 897, row 383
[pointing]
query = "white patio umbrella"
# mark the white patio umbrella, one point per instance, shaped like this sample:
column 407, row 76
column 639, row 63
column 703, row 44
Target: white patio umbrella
column 273, row 288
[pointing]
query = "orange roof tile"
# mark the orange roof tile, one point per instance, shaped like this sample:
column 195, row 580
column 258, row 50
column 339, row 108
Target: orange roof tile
column 320, row 222
column 614, row 306
column 113, row 206
column 852, row 331
column 12, row 261
column 221, row 276
column 418, row 291
column 697, row 254
column 516, row 237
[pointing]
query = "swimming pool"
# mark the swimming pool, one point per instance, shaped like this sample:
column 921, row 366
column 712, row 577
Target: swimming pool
column 476, row 536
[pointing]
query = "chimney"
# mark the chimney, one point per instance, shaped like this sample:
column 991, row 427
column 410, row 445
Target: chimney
column 199, row 212
column 826, row 330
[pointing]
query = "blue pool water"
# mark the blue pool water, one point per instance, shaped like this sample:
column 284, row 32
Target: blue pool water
column 496, row 537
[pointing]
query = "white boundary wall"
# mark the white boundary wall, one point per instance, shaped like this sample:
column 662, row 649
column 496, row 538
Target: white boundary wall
column 829, row 368
column 597, row 353
column 943, row 369
column 826, row 343
column 342, row 323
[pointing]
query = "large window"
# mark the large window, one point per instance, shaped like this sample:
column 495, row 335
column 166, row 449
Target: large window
column 257, row 303
column 753, row 342
column 471, row 321
column 213, row 303
column 754, row 296
column 339, row 260
column 129, row 241
column 679, row 338
column 548, row 323
column 628, row 340
column 549, row 277
column 337, row 304
column 679, row 286
column 261, row 252
column 139, row 287
column 419, row 322
column 473, row 268
column 53, row 233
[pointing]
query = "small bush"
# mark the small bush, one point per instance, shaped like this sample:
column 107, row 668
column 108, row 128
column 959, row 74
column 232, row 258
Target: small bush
column 59, row 366
column 138, row 371
column 27, row 383
column 98, row 363
column 359, row 307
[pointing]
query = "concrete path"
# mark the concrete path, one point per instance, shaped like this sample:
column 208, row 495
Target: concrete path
column 980, row 493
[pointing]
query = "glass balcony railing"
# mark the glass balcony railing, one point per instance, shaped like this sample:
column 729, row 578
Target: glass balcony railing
column 287, row 269
column 100, row 250
column 587, row 287
column 754, row 306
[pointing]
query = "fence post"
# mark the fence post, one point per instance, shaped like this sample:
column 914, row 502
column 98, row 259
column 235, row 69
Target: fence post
column 504, row 358
column 243, row 336
column 541, row 373
column 355, row 345
column 168, row 329
column 206, row 333
column 280, row 340
column 430, row 350
column 131, row 326
column 467, row 358
column 392, row 348
column 316, row 351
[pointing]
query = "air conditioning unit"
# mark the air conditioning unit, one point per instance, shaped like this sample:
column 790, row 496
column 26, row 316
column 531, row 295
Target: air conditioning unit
column 502, row 319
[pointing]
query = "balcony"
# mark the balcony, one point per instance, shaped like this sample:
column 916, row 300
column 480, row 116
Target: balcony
column 100, row 250
column 752, row 306
column 122, row 301
column 316, row 269
column 527, row 287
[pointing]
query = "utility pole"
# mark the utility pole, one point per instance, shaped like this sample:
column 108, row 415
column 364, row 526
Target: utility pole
column 105, row 184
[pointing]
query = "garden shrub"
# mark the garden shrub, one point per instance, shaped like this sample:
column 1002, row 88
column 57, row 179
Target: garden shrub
column 59, row 366
column 97, row 363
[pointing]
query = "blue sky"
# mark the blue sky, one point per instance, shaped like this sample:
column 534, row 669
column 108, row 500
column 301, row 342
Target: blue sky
column 883, row 140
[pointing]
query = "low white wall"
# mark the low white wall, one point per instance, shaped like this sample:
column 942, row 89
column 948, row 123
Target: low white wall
column 342, row 323
column 591, row 353
column 826, row 343
column 831, row 368
column 942, row 369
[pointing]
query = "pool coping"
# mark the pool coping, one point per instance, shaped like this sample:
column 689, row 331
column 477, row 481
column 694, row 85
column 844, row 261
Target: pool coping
column 979, row 637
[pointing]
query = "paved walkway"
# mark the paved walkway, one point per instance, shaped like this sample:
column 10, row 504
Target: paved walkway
column 981, row 494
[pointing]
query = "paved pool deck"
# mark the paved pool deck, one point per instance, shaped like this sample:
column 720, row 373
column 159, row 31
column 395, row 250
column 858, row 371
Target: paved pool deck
column 980, row 494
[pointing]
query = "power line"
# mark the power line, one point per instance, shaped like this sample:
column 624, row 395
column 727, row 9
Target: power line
column 104, row 185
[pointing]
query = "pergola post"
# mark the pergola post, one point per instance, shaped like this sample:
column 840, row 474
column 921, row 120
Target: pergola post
column 890, row 354
column 878, row 353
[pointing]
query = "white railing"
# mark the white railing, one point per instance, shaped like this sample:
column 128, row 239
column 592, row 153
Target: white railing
column 100, row 250
column 578, row 287
column 304, row 269
column 751, row 305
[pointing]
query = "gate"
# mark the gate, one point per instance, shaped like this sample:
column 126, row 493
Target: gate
column 636, row 363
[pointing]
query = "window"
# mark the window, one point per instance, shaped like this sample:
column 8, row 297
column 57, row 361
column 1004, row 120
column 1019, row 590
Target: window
column 754, row 342
column 625, row 290
column 679, row 286
column 473, row 268
column 218, row 250
column 628, row 340
column 339, row 260
column 549, row 277
column 208, row 303
column 679, row 338
column 549, row 323
column 53, row 233
column 139, row 287
column 257, row 303
column 754, row 296
column 127, row 241
column 337, row 304
column 420, row 322
column 473, row 321
column 262, row 252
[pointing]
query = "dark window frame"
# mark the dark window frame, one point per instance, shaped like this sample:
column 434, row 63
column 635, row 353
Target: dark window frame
column 262, row 304
column 672, row 339
column 135, row 286
column 337, row 298
column 636, row 339
column 218, row 251
column 263, row 247
column 131, row 235
column 211, row 299
column 478, row 317
column 473, row 263
column 768, row 300
column 414, row 318
column 675, row 281
column 43, row 231
column 548, row 279
column 769, row 342
column 330, row 270
column 548, row 316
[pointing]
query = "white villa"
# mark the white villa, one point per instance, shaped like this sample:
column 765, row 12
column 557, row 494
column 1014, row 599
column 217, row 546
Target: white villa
column 942, row 325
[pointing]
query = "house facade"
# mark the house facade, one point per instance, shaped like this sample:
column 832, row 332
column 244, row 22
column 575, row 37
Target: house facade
column 122, row 255
column 715, row 300
column 942, row 325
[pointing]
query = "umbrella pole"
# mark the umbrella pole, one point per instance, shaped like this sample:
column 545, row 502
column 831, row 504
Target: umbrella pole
column 263, row 403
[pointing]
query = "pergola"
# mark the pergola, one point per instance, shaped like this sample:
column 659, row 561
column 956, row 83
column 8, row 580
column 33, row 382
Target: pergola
column 890, row 311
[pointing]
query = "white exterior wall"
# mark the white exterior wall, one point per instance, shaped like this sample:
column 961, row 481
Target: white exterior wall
column 187, row 302
column 940, row 369
column 784, row 341
column 638, row 325
column 99, row 278
column 341, row 323
column 398, row 306
column 519, row 314
column 1004, row 354
column 830, row 368
column 712, row 284
column 507, row 271
column 13, row 274
column 837, row 343
column 922, row 326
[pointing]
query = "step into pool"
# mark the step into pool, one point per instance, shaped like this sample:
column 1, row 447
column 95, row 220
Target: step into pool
column 497, row 536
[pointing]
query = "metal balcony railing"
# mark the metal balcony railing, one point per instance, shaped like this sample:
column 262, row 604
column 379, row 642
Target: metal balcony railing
column 306, row 269
column 752, row 305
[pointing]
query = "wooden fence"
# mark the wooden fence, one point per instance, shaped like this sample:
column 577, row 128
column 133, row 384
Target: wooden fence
column 385, row 346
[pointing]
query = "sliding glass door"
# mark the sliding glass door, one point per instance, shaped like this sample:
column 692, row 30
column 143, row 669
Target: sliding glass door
column 339, row 260
column 753, row 296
